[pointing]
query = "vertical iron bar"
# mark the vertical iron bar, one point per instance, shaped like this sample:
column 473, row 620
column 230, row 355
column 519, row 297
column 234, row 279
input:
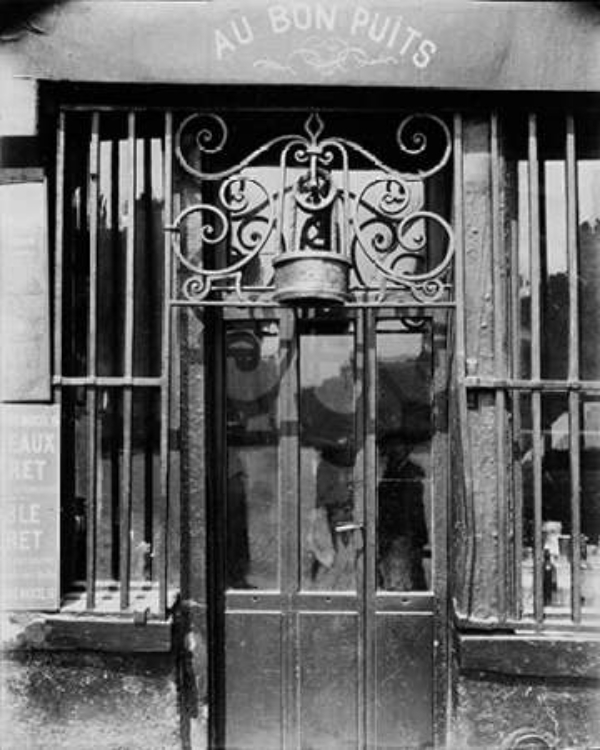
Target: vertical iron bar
column 572, row 260
column 94, row 159
column 130, row 246
column 215, row 389
column 91, row 505
column 146, row 280
column 57, row 369
column 165, row 389
column 369, row 389
column 92, row 395
column 362, row 510
column 126, row 481
column 459, row 253
column 575, row 458
column 59, row 248
column 536, row 398
column 499, row 368
column 515, row 372
column 574, row 374
column 289, row 548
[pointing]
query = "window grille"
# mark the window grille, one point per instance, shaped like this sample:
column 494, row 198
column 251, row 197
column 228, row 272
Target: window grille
column 545, row 196
column 111, row 365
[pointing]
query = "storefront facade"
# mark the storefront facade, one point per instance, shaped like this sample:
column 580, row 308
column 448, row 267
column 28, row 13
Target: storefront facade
column 300, row 379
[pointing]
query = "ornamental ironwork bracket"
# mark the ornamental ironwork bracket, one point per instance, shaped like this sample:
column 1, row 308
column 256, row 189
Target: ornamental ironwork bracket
column 308, row 219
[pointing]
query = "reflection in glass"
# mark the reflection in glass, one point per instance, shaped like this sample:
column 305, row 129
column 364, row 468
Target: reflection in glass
column 74, row 486
column 147, row 513
column 149, row 250
column 556, row 502
column 590, row 504
column 110, row 477
column 556, row 526
column 252, row 375
column 588, row 220
column 75, row 301
column 522, row 355
column 553, row 261
column 517, row 200
column 331, row 538
column 114, row 169
column 555, row 283
column 404, row 446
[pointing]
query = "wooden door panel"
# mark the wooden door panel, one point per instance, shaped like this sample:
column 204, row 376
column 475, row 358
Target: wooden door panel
column 404, row 680
column 329, row 664
column 253, row 672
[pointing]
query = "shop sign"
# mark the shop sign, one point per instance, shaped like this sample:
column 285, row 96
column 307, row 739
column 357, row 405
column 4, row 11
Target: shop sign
column 325, row 39
column 30, row 503
column 435, row 44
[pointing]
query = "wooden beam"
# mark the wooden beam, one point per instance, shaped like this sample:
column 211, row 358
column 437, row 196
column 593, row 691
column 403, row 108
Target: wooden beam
column 531, row 655
column 133, row 634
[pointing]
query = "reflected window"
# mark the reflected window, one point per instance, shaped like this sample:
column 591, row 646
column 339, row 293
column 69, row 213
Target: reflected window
column 252, row 376
column 404, row 461
column 328, row 446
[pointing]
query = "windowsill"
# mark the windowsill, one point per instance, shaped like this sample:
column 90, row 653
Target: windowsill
column 126, row 633
column 546, row 655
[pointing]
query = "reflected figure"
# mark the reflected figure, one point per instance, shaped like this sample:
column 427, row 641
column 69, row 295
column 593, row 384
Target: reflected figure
column 333, row 548
column 402, row 529
column 238, row 548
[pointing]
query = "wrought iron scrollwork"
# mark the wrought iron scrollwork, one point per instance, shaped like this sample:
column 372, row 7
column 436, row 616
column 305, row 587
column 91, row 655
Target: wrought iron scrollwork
column 321, row 195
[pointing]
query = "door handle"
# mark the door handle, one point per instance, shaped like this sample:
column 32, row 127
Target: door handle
column 340, row 527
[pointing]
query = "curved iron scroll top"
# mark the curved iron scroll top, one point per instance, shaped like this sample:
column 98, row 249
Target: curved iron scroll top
column 309, row 217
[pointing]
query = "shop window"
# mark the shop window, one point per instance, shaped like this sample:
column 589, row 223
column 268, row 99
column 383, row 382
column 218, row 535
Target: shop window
column 552, row 388
column 109, row 364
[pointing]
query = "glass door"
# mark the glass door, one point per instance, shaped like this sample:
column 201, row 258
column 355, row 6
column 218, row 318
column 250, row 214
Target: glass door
column 322, row 530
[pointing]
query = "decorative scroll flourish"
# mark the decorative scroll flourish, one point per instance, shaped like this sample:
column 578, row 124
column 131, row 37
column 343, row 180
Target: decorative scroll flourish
column 302, row 193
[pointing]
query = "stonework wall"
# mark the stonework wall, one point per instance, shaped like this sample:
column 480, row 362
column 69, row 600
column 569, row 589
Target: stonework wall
column 491, row 709
column 87, row 701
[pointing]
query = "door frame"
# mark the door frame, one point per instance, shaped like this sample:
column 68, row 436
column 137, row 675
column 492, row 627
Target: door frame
column 436, row 604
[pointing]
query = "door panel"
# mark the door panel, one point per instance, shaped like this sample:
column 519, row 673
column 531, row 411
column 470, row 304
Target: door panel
column 404, row 667
column 329, row 651
column 253, row 708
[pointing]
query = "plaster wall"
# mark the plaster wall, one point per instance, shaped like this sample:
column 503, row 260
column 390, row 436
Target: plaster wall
column 86, row 701
column 491, row 709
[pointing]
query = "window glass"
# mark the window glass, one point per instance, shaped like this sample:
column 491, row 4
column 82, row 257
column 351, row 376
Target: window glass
column 590, row 504
column 252, row 376
column 114, row 172
column 149, row 247
column 588, row 219
column 555, row 522
column 331, row 537
column 76, row 259
column 553, row 263
column 517, row 233
column 404, row 512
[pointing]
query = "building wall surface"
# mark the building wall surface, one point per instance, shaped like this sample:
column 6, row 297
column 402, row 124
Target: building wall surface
column 89, row 700
column 491, row 709
column 85, row 698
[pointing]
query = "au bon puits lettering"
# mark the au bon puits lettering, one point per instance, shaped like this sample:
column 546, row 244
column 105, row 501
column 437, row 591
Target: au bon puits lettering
column 391, row 32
